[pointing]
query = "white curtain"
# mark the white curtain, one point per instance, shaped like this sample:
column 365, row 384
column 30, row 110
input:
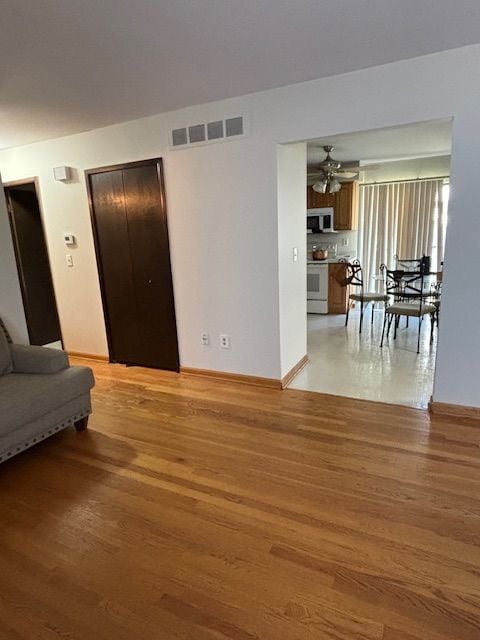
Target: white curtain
column 403, row 219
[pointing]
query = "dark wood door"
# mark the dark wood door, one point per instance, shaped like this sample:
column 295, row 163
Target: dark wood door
column 33, row 265
column 131, row 238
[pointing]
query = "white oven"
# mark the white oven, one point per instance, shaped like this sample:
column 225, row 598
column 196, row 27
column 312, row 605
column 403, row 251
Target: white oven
column 317, row 287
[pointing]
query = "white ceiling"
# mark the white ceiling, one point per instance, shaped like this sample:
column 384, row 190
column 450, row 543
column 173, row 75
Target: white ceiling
column 431, row 167
column 418, row 140
column 73, row 65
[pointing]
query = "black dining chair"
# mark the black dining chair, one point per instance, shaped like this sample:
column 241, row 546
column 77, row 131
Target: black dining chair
column 406, row 297
column 412, row 265
column 357, row 293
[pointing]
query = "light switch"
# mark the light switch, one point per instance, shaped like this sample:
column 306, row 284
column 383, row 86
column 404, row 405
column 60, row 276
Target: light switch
column 295, row 254
column 69, row 259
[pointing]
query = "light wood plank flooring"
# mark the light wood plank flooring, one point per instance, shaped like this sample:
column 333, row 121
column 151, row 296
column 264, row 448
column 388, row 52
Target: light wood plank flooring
column 195, row 509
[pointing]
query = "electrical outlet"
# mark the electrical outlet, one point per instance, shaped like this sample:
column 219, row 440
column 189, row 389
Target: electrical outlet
column 345, row 242
column 224, row 341
column 205, row 339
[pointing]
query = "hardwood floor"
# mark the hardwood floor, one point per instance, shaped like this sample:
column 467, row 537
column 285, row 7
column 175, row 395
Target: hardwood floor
column 196, row 509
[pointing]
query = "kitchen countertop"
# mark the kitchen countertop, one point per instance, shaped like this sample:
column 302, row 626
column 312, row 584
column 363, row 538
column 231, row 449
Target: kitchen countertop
column 330, row 260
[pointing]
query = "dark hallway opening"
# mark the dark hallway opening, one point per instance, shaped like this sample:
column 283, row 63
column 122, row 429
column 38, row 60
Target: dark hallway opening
column 33, row 263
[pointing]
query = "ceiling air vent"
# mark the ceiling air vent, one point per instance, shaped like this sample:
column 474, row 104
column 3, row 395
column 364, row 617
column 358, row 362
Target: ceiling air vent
column 214, row 131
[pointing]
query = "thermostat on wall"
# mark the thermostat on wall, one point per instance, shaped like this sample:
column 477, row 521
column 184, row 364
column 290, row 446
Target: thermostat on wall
column 69, row 238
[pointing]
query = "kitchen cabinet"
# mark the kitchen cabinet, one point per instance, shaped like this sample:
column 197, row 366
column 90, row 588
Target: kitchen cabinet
column 346, row 207
column 319, row 200
column 344, row 203
column 337, row 294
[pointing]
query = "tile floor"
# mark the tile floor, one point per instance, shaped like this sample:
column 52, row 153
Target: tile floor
column 346, row 364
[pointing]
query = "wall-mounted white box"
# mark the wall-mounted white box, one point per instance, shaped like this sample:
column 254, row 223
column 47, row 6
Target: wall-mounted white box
column 62, row 173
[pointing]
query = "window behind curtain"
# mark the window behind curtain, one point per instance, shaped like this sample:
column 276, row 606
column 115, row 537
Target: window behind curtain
column 405, row 219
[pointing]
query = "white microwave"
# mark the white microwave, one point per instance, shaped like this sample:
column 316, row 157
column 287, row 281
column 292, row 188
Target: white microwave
column 320, row 220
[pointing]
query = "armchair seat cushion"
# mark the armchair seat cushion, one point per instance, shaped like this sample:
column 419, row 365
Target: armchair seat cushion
column 25, row 397
column 369, row 296
column 411, row 309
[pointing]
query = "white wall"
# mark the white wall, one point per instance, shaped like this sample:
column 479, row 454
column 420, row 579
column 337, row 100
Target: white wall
column 223, row 238
column 457, row 379
column 291, row 196
column 223, row 235
column 223, row 210
column 11, row 305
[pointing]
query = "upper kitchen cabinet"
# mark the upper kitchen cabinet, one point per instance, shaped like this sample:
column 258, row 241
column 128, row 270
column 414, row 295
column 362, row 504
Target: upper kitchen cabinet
column 346, row 207
column 344, row 203
column 318, row 200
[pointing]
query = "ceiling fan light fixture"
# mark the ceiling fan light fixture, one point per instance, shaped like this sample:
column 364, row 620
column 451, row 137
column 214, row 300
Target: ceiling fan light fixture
column 334, row 186
column 320, row 186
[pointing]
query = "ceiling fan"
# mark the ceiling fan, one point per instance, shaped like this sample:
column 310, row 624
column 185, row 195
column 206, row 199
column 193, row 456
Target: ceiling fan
column 330, row 172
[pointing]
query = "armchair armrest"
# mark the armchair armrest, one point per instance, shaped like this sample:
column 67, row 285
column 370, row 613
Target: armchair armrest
column 31, row 359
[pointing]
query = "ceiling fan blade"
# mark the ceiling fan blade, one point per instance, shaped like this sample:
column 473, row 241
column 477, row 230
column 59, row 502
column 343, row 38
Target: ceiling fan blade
column 346, row 174
column 341, row 173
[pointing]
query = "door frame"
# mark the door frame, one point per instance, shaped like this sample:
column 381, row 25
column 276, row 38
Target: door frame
column 158, row 163
column 36, row 183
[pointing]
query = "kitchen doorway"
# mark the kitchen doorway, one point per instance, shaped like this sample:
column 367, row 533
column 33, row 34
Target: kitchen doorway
column 376, row 205
column 33, row 263
column 129, row 220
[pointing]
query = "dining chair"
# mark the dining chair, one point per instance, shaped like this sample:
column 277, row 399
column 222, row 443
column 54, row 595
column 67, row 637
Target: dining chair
column 410, row 299
column 411, row 264
column 435, row 299
column 357, row 293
